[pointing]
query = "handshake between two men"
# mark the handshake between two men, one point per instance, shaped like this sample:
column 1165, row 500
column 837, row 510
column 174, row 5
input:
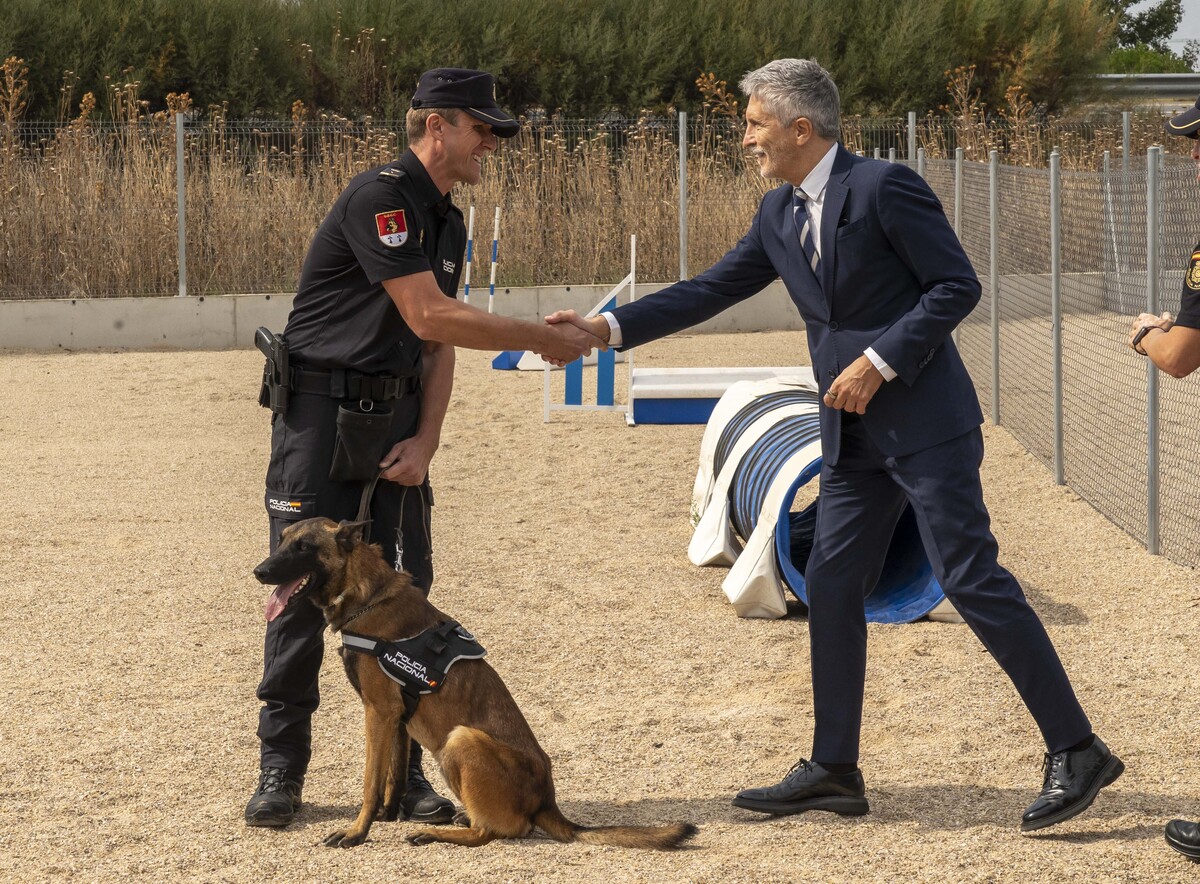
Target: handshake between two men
column 851, row 391
column 574, row 336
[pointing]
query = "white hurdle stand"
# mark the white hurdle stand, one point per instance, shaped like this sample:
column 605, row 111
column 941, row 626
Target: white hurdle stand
column 605, row 360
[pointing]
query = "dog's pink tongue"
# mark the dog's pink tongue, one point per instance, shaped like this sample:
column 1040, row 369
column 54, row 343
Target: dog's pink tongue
column 279, row 598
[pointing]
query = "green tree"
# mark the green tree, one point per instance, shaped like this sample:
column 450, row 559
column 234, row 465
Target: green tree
column 1141, row 39
column 1145, row 60
column 1151, row 27
column 583, row 57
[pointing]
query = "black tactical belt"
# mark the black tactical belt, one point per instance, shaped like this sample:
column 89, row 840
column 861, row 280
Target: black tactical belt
column 341, row 384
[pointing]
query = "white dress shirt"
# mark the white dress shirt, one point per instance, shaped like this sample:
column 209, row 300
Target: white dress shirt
column 813, row 187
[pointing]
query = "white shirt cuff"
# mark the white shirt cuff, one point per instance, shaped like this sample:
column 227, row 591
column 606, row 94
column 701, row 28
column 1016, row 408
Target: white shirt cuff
column 614, row 333
column 884, row 368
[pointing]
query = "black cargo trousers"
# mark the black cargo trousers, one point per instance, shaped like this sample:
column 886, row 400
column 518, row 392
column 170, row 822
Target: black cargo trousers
column 299, row 487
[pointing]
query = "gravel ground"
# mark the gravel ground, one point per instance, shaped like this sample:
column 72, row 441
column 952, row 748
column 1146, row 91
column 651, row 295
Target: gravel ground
column 131, row 647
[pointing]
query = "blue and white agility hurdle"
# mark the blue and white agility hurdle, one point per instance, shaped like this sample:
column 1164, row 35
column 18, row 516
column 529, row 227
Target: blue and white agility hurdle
column 655, row 395
column 605, row 360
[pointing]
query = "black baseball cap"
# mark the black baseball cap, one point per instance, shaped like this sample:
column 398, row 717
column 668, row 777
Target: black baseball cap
column 473, row 91
column 1187, row 123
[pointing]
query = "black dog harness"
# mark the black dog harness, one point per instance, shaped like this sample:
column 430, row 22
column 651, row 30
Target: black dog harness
column 419, row 664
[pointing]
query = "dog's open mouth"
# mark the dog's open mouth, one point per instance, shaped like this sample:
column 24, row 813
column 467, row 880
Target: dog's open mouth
column 282, row 595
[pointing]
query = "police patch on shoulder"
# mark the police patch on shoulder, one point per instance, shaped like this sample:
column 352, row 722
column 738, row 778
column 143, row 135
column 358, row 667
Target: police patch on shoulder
column 392, row 227
column 1193, row 272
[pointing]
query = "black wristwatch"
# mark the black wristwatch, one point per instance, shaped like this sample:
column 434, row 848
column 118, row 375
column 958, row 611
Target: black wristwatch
column 1142, row 332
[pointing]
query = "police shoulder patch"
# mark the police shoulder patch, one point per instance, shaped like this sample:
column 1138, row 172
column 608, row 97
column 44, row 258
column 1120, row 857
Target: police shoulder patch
column 1193, row 272
column 392, row 227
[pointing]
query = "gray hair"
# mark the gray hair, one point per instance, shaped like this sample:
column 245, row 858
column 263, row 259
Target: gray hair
column 790, row 88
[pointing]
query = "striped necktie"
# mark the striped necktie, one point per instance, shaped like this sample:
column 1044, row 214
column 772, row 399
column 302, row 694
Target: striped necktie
column 804, row 228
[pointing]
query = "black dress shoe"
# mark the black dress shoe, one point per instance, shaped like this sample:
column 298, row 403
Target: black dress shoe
column 421, row 804
column 276, row 799
column 808, row 786
column 1072, row 782
column 1184, row 837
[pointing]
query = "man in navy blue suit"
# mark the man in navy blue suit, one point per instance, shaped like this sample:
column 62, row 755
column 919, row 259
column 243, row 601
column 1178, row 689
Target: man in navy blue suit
column 881, row 281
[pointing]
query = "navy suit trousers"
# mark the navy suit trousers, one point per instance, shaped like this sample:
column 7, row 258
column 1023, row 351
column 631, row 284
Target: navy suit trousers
column 860, row 500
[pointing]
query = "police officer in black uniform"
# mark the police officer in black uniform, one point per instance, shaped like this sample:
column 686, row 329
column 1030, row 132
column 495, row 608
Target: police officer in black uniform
column 368, row 373
column 1173, row 344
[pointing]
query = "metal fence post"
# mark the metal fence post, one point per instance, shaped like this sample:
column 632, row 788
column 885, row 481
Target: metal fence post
column 994, row 244
column 958, row 212
column 180, row 212
column 912, row 136
column 958, row 191
column 877, row 153
column 921, row 161
column 891, row 154
column 1056, row 308
column 1153, row 158
column 683, row 200
column 1125, row 118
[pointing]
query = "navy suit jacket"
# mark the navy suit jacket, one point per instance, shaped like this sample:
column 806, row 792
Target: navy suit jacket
column 894, row 277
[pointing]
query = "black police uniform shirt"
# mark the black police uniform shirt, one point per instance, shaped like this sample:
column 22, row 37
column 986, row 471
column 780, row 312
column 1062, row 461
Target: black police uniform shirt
column 389, row 222
column 1189, row 299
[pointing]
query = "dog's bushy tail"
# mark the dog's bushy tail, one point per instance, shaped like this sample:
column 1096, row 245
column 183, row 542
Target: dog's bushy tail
column 551, row 821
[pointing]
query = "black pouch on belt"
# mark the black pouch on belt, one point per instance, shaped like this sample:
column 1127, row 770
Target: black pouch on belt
column 362, row 441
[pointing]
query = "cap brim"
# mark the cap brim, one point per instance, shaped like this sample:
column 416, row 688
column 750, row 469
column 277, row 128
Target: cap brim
column 1187, row 123
column 502, row 124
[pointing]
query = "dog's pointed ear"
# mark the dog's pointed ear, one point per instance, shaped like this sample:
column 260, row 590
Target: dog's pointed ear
column 350, row 533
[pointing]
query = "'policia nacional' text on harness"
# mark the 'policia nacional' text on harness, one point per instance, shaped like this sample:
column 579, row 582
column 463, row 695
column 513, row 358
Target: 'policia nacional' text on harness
column 419, row 664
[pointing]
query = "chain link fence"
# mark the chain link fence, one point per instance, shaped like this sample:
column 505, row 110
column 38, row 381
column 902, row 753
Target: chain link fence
column 90, row 210
column 1061, row 283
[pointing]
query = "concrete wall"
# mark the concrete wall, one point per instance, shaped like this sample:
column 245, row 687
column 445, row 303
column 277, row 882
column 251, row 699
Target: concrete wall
column 228, row 321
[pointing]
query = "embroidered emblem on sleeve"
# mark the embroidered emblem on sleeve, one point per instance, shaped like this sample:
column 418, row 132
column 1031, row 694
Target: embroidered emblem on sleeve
column 392, row 227
column 1193, row 274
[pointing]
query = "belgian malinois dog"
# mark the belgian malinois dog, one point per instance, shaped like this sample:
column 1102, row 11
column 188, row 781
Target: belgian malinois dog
column 487, row 752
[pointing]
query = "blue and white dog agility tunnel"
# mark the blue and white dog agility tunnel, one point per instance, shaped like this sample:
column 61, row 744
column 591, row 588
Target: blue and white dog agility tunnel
column 760, row 447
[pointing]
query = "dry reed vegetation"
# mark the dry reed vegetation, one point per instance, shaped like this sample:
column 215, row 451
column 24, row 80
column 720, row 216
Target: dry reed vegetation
column 88, row 208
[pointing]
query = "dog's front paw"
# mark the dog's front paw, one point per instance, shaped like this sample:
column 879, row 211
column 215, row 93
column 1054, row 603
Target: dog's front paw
column 344, row 839
column 420, row 839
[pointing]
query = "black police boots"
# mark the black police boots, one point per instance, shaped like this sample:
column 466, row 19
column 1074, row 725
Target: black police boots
column 276, row 799
column 420, row 803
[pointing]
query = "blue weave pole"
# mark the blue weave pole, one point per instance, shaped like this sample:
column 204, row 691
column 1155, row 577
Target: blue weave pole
column 574, row 377
column 467, row 287
column 606, row 361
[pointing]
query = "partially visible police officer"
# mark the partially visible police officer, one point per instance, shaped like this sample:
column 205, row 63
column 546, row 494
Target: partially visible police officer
column 1173, row 344
column 1177, row 350
column 370, row 362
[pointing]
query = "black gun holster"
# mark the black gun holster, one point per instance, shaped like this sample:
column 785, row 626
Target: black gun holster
column 274, row 391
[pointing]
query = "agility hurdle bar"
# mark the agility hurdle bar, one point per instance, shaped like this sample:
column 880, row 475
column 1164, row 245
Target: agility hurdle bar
column 605, row 360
